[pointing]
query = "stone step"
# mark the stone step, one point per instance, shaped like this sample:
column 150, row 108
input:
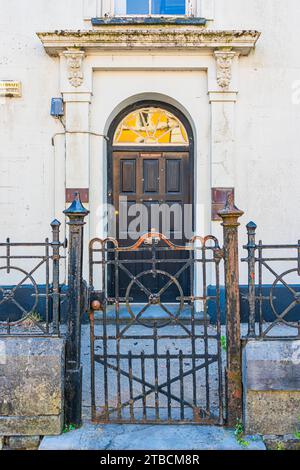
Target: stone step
column 149, row 437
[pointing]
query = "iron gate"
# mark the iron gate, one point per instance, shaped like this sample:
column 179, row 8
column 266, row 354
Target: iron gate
column 155, row 361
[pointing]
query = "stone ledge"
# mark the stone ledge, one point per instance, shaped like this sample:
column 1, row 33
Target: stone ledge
column 144, row 37
column 127, row 20
column 271, row 365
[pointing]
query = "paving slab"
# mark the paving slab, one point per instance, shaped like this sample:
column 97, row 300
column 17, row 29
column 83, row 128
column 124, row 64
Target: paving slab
column 149, row 437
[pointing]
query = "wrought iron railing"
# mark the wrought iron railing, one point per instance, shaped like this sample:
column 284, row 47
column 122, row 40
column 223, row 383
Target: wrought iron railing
column 271, row 315
column 37, row 263
column 30, row 290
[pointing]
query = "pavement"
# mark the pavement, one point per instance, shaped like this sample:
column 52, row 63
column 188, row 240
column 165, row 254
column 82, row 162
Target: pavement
column 149, row 437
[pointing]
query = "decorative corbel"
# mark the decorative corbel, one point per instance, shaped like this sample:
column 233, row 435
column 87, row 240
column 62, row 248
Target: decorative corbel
column 224, row 68
column 74, row 62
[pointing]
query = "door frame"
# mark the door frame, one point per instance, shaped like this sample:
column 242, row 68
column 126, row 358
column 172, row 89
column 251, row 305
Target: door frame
column 148, row 148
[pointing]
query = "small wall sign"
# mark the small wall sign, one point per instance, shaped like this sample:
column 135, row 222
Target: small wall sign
column 10, row 88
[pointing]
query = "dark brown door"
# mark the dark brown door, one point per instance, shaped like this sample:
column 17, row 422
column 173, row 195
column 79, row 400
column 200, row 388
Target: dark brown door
column 152, row 178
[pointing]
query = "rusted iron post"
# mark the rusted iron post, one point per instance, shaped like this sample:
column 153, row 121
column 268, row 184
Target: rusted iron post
column 251, row 246
column 55, row 225
column 73, row 389
column 230, row 215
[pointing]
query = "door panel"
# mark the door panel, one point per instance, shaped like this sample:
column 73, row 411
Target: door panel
column 150, row 175
column 128, row 176
column 173, row 175
column 154, row 179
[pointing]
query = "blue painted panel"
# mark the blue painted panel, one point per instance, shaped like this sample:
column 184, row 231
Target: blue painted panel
column 25, row 296
column 282, row 298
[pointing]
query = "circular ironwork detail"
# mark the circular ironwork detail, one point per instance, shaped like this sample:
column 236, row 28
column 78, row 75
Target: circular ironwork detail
column 295, row 294
column 155, row 299
column 9, row 294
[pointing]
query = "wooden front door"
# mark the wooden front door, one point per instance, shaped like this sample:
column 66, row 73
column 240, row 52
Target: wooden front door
column 152, row 178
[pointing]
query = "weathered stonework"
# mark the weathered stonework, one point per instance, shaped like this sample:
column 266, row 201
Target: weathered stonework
column 287, row 442
column 124, row 37
column 271, row 382
column 275, row 411
column 32, row 386
column 23, row 442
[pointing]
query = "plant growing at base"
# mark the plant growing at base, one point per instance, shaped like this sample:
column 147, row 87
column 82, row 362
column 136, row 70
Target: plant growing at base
column 224, row 343
column 69, row 427
column 297, row 433
column 239, row 433
column 32, row 319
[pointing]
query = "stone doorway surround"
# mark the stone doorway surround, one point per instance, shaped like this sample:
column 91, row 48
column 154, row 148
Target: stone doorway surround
column 83, row 52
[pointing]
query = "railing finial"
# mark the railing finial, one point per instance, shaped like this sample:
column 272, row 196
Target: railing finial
column 76, row 208
column 230, row 214
column 251, row 226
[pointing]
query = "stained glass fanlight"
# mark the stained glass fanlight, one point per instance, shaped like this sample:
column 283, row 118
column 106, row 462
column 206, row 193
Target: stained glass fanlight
column 151, row 126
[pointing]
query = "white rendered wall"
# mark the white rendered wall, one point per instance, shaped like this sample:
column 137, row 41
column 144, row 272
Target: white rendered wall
column 267, row 120
column 268, row 117
column 26, row 128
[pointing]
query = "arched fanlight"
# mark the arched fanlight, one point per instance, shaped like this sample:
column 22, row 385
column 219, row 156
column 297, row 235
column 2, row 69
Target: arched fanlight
column 151, row 126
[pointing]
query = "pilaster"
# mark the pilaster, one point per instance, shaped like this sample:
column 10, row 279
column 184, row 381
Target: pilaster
column 76, row 92
column 223, row 94
column 76, row 89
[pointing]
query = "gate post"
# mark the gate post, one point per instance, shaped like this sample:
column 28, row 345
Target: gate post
column 230, row 215
column 73, row 388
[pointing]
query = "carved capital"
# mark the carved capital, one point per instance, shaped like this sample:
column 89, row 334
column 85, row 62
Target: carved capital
column 74, row 62
column 224, row 68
